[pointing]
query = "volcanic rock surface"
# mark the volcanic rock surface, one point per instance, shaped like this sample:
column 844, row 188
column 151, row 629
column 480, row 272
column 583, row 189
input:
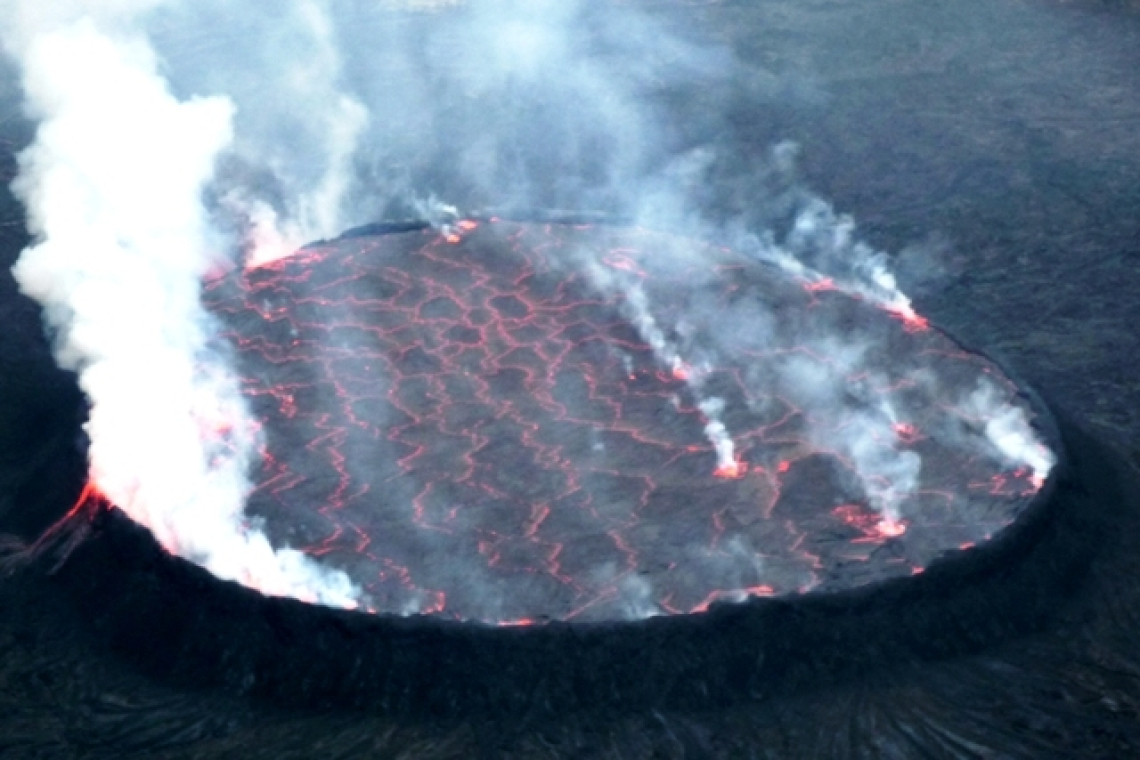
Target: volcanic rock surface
column 517, row 422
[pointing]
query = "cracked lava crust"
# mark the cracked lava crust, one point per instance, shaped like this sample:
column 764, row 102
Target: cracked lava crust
column 517, row 422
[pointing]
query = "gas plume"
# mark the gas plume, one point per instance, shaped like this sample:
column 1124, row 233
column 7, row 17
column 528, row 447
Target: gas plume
column 175, row 137
column 113, row 188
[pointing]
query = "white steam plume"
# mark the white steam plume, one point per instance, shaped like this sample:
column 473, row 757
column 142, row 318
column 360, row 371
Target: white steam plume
column 635, row 305
column 1008, row 430
column 865, row 439
column 113, row 186
column 821, row 245
column 540, row 103
column 296, row 123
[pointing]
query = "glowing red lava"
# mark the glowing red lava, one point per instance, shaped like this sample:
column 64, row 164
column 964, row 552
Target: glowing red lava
column 732, row 470
column 514, row 423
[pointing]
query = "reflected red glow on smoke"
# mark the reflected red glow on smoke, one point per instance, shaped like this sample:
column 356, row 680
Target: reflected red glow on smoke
column 874, row 527
column 731, row 471
column 907, row 433
column 821, row 285
column 912, row 321
column 469, row 426
column 734, row 596
column 88, row 497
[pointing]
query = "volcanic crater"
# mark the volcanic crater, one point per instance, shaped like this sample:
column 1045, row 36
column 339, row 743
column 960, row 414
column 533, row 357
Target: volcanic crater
column 517, row 422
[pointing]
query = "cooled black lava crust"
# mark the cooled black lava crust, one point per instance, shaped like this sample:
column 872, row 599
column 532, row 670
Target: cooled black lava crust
column 203, row 632
column 512, row 422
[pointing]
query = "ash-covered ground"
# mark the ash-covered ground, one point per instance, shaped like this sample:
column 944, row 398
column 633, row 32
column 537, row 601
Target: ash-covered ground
column 994, row 145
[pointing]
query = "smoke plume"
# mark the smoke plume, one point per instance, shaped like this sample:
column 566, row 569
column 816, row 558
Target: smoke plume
column 175, row 137
column 113, row 187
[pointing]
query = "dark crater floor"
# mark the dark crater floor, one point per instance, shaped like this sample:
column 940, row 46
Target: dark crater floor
column 475, row 425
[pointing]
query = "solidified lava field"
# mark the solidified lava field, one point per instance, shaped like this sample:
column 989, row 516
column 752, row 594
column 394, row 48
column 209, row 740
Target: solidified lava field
column 516, row 422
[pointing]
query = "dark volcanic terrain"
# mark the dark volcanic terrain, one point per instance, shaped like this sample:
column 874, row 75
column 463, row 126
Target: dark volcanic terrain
column 994, row 147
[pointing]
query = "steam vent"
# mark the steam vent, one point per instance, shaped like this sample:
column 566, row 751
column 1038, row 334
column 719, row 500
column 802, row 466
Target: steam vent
column 519, row 423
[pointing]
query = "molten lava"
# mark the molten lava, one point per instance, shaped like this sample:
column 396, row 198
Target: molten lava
column 732, row 470
column 516, row 423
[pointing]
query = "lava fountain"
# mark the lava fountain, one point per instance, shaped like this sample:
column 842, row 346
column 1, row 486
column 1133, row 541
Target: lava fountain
column 519, row 422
